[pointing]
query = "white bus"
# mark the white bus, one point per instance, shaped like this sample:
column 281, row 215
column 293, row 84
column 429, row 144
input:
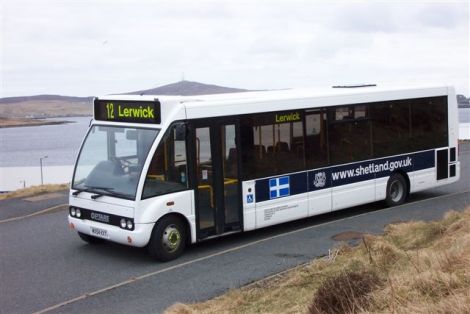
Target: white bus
column 163, row 172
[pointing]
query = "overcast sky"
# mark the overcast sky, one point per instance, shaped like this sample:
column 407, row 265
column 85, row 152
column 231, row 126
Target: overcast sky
column 100, row 47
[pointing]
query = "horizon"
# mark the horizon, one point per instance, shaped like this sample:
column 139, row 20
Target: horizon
column 127, row 92
column 169, row 84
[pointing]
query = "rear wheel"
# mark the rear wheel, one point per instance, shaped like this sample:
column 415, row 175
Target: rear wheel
column 90, row 239
column 397, row 190
column 168, row 239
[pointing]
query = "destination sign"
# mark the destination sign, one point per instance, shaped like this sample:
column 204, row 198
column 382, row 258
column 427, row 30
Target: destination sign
column 279, row 117
column 128, row 111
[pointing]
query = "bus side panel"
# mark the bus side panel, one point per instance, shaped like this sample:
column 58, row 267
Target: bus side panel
column 427, row 178
column 152, row 209
column 249, row 209
column 281, row 199
column 319, row 202
column 381, row 188
column 319, row 196
column 353, row 194
column 453, row 118
column 281, row 210
column 422, row 179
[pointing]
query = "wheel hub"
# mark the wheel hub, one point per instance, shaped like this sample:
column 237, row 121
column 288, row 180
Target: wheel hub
column 396, row 191
column 171, row 238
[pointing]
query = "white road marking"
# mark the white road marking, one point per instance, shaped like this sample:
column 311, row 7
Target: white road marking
column 42, row 211
column 138, row 278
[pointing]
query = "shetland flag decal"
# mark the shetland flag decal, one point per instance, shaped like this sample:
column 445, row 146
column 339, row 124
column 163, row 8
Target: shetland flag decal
column 279, row 187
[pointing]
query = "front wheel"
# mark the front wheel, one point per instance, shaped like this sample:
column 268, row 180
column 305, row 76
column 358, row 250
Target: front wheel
column 397, row 190
column 168, row 239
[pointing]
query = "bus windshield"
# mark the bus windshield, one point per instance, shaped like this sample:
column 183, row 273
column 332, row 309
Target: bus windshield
column 111, row 160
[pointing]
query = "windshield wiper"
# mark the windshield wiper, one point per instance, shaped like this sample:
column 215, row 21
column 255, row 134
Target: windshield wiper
column 91, row 189
column 110, row 192
column 78, row 191
column 95, row 196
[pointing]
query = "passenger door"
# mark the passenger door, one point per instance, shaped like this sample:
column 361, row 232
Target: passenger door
column 215, row 176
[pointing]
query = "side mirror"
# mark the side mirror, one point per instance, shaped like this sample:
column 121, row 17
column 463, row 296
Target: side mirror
column 180, row 132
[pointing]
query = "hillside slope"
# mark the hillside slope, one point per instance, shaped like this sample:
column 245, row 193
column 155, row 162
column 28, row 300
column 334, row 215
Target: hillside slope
column 48, row 106
column 187, row 88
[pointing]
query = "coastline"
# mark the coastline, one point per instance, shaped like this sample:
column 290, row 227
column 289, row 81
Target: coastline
column 29, row 122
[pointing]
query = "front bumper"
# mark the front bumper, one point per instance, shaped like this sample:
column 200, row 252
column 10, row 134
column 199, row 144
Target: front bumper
column 139, row 237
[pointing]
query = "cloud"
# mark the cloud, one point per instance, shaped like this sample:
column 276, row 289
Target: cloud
column 57, row 46
column 365, row 18
column 443, row 15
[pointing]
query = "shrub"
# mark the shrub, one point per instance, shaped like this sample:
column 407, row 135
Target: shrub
column 345, row 293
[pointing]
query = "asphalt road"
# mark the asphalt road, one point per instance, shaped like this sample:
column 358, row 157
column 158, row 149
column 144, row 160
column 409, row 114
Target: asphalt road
column 43, row 264
column 14, row 208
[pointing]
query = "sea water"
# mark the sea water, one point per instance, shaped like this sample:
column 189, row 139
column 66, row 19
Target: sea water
column 23, row 149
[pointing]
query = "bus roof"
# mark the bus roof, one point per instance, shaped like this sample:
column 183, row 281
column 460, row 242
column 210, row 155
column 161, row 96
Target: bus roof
column 202, row 106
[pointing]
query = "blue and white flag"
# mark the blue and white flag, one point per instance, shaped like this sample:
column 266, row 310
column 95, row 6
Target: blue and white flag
column 279, row 187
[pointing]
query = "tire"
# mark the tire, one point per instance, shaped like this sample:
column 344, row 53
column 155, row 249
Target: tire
column 90, row 239
column 168, row 239
column 397, row 190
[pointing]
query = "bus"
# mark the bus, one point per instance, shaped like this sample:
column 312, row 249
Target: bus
column 163, row 172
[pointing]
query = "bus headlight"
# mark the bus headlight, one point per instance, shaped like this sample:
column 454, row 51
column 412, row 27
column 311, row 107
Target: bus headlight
column 78, row 212
column 126, row 224
column 72, row 211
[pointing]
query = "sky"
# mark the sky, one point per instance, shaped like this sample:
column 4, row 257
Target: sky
column 87, row 48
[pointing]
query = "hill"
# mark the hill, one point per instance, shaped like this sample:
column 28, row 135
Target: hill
column 10, row 100
column 38, row 107
column 48, row 106
column 187, row 88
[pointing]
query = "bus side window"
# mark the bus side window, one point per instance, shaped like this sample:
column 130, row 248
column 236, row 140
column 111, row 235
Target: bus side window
column 429, row 128
column 315, row 139
column 349, row 134
column 168, row 169
column 269, row 148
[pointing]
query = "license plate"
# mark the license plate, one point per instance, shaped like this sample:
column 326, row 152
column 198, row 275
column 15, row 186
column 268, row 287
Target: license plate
column 102, row 233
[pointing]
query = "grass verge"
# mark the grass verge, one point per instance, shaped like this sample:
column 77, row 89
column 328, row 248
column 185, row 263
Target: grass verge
column 35, row 190
column 414, row 267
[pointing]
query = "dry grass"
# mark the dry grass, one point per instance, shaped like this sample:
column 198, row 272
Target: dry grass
column 348, row 292
column 415, row 267
column 35, row 190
